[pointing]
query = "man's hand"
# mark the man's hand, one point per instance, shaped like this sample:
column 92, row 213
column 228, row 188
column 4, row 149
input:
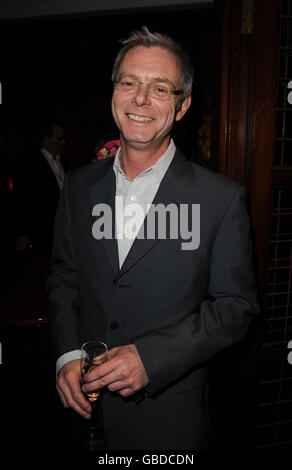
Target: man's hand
column 123, row 372
column 68, row 386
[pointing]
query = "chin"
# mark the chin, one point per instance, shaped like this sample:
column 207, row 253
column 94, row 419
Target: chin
column 138, row 144
column 137, row 139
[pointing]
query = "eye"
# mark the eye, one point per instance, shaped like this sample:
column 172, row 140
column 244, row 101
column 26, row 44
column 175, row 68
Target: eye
column 161, row 90
column 127, row 83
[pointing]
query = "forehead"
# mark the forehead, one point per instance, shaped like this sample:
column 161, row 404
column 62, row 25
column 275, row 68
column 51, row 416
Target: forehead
column 151, row 62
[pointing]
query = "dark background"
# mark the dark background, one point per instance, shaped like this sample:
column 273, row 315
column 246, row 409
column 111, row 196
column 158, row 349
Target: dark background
column 62, row 68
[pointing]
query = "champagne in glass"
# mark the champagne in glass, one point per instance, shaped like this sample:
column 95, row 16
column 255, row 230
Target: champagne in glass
column 93, row 354
column 89, row 364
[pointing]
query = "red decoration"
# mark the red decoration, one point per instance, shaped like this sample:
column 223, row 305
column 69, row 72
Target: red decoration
column 108, row 150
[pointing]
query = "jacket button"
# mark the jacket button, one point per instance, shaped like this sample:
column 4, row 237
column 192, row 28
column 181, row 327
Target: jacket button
column 114, row 325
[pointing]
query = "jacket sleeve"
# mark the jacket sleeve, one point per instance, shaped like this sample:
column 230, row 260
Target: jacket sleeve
column 170, row 352
column 62, row 283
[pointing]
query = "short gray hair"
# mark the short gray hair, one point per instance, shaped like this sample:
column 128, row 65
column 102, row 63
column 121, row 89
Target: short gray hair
column 145, row 38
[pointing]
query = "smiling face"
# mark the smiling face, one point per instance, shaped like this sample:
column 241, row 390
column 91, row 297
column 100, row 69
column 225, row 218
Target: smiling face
column 145, row 121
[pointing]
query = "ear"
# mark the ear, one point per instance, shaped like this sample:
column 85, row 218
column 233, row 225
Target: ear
column 184, row 107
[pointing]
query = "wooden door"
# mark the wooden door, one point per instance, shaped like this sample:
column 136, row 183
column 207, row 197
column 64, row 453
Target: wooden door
column 254, row 146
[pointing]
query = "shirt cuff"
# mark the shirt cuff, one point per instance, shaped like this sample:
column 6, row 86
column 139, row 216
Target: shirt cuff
column 67, row 357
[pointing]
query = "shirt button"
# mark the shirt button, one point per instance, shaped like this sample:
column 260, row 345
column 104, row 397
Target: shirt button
column 133, row 198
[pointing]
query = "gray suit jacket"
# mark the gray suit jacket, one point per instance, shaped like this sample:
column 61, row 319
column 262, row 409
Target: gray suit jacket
column 179, row 307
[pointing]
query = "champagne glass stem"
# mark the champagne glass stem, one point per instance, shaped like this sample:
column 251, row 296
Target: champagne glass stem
column 93, row 420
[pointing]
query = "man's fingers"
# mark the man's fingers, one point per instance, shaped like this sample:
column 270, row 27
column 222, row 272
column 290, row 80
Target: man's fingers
column 113, row 382
column 68, row 386
column 119, row 386
column 62, row 396
column 126, row 392
column 102, row 382
column 99, row 372
column 124, row 370
column 76, row 401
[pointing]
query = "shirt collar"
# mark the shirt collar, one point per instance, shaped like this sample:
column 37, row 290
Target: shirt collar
column 159, row 168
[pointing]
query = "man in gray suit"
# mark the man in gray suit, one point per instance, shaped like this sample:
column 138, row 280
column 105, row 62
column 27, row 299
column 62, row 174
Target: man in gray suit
column 164, row 304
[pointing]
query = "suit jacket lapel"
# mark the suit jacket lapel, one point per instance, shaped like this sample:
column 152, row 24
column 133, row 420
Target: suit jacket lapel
column 173, row 189
column 103, row 190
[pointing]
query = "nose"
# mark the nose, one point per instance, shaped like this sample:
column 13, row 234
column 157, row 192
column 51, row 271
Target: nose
column 143, row 94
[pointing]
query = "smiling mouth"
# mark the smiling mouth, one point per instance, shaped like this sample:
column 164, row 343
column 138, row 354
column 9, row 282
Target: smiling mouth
column 134, row 117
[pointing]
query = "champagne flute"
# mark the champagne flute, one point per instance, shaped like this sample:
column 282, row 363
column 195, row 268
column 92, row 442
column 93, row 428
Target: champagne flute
column 93, row 353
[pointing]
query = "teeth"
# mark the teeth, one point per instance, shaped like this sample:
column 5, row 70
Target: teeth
column 139, row 118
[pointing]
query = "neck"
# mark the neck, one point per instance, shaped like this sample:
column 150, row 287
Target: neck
column 135, row 160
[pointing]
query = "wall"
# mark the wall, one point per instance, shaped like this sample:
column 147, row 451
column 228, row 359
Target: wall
column 35, row 8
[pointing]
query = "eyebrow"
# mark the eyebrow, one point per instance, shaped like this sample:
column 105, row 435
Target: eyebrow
column 154, row 80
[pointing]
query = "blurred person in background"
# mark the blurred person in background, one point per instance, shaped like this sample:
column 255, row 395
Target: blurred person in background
column 38, row 178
